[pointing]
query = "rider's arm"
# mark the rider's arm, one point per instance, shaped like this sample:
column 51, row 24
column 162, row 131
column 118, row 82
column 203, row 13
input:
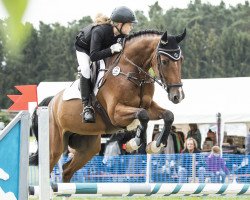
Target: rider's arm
column 96, row 46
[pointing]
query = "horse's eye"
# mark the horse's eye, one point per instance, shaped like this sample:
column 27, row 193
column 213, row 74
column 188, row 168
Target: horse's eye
column 164, row 62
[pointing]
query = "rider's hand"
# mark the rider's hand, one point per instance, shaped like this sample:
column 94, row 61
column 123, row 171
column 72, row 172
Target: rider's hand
column 116, row 48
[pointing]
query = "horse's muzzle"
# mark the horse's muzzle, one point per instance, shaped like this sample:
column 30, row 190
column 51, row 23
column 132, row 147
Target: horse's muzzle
column 176, row 95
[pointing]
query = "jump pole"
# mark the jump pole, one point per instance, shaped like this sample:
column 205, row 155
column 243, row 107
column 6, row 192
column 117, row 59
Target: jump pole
column 147, row 189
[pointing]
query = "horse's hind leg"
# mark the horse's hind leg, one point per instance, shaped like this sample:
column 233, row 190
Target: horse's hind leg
column 56, row 144
column 83, row 149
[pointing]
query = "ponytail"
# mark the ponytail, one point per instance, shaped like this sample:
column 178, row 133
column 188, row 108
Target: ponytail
column 101, row 19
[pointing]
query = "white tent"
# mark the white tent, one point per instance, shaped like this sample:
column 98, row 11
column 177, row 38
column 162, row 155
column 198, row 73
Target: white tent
column 204, row 98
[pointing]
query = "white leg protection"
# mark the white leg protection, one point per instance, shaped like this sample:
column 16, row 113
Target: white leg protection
column 84, row 63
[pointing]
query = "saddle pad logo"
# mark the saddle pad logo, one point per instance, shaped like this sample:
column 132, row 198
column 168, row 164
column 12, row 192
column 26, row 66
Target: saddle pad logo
column 116, row 71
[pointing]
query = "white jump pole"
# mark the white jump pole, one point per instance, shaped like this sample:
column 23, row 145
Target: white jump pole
column 43, row 148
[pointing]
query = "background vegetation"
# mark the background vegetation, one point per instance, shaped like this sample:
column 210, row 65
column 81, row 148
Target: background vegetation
column 217, row 45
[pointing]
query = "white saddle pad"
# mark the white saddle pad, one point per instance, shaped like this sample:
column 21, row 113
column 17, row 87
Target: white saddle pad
column 73, row 91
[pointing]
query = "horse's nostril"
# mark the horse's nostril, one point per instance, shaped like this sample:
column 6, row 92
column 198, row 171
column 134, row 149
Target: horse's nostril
column 176, row 98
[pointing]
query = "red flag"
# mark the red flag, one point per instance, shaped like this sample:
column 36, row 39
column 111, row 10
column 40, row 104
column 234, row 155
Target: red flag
column 29, row 94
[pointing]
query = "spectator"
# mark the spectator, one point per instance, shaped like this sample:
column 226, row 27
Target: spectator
column 194, row 132
column 244, row 167
column 212, row 135
column 247, row 143
column 230, row 147
column 216, row 166
column 186, row 168
column 181, row 137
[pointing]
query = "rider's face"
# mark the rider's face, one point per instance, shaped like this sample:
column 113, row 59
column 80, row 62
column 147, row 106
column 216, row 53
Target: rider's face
column 127, row 28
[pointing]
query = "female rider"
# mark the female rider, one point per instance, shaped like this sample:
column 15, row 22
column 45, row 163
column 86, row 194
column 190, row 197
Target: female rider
column 98, row 41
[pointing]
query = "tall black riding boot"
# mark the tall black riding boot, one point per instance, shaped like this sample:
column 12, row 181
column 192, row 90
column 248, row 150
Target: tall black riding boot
column 88, row 114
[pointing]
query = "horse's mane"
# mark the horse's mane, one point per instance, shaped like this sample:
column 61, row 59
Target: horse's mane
column 144, row 32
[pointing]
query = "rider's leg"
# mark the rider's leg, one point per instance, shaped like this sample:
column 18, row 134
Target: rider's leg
column 85, row 87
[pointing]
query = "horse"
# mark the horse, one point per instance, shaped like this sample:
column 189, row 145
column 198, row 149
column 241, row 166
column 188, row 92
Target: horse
column 126, row 94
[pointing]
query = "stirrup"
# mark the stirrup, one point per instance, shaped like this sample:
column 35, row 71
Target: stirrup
column 88, row 114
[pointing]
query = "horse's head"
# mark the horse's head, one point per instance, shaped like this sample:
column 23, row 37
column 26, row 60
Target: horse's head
column 169, row 58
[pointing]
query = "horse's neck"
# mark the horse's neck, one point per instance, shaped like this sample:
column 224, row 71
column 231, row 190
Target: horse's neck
column 141, row 51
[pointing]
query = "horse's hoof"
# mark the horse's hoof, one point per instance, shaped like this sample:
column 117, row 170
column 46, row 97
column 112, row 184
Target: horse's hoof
column 131, row 145
column 152, row 148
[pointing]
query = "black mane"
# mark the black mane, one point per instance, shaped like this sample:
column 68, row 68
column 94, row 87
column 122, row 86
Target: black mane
column 144, row 32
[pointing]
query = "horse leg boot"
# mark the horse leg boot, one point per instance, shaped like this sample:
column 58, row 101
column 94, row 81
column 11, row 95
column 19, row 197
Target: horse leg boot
column 161, row 141
column 88, row 114
column 140, row 136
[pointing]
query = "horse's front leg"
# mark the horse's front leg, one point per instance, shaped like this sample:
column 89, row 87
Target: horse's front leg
column 125, row 113
column 156, row 113
column 140, row 136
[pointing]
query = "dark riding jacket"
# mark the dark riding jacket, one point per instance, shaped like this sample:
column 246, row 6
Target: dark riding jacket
column 96, row 41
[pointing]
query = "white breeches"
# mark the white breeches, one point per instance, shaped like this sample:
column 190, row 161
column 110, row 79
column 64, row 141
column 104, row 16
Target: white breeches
column 84, row 63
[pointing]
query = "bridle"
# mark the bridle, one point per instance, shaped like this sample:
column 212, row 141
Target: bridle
column 162, row 82
column 166, row 52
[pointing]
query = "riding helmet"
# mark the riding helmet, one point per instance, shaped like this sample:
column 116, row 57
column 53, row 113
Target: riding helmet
column 123, row 15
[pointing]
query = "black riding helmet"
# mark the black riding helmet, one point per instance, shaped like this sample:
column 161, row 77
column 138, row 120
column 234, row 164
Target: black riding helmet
column 123, row 15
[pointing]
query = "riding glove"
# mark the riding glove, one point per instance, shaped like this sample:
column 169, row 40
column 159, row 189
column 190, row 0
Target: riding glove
column 116, row 48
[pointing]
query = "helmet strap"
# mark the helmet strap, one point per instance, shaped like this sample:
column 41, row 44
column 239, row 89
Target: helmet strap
column 119, row 30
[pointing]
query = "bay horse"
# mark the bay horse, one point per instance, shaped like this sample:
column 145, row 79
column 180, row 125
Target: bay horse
column 126, row 95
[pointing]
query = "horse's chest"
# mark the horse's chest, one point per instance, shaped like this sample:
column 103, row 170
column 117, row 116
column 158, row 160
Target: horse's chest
column 145, row 101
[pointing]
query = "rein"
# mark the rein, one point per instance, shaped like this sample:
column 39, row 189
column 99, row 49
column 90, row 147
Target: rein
column 141, row 82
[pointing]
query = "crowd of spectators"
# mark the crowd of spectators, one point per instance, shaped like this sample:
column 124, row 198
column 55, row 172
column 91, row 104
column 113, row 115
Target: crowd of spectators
column 193, row 164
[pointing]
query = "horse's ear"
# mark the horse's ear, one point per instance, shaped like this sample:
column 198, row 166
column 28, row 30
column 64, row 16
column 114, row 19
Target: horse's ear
column 180, row 37
column 164, row 38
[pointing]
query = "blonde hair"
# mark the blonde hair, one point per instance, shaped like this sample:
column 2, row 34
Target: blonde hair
column 216, row 149
column 101, row 19
column 191, row 139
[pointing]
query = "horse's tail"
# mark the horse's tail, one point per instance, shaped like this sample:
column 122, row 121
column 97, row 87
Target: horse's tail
column 33, row 158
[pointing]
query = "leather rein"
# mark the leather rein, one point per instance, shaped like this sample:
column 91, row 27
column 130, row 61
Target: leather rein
column 140, row 82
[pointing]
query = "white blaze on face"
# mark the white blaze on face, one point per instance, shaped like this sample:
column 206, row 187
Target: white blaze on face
column 181, row 94
column 176, row 95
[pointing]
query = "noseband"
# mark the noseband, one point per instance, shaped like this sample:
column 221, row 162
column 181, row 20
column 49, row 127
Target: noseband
column 173, row 54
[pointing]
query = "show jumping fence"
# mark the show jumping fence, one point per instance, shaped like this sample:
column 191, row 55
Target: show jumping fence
column 149, row 174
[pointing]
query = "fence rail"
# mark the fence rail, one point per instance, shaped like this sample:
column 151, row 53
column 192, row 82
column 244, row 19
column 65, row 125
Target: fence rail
column 163, row 168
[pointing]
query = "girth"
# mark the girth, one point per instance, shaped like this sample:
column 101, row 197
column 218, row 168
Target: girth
column 110, row 128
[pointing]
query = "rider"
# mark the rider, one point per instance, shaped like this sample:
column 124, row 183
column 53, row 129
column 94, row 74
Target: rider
column 98, row 41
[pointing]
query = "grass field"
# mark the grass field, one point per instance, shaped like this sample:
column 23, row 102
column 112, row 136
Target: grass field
column 154, row 198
